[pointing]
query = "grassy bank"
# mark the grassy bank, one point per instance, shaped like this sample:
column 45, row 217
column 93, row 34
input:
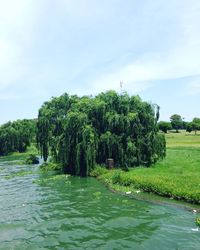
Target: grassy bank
column 20, row 156
column 177, row 176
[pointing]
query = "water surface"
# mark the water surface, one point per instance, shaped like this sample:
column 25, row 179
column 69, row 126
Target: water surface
column 41, row 212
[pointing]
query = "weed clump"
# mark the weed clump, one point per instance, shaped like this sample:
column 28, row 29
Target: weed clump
column 32, row 159
column 197, row 221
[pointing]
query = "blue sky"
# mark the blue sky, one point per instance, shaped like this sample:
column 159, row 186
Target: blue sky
column 48, row 47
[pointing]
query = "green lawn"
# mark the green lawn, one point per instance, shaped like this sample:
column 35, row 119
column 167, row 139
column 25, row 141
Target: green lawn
column 177, row 176
column 182, row 139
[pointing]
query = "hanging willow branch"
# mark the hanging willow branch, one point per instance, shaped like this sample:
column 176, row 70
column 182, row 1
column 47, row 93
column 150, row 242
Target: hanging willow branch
column 80, row 132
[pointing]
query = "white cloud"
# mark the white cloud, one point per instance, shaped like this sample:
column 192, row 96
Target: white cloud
column 181, row 58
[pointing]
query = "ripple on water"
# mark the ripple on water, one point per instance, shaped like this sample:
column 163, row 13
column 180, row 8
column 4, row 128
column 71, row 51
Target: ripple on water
column 83, row 214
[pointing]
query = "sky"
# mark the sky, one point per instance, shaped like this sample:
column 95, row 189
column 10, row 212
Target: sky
column 83, row 47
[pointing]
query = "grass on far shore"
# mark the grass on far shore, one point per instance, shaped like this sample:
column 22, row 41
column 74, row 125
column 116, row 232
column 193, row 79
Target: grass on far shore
column 177, row 176
column 20, row 156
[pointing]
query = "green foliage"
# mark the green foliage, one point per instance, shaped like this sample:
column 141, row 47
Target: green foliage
column 189, row 127
column 168, row 177
column 19, row 157
column 197, row 221
column 164, row 126
column 98, row 170
column 176, row 122
column 32, row 159
column 196, row 124
column 17, row 136
column 116, row 177
column 80, row 132
column 50, row 166
column 193, row 126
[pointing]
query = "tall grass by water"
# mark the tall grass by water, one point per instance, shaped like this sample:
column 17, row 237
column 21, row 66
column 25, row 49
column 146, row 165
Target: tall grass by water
column 177, row 176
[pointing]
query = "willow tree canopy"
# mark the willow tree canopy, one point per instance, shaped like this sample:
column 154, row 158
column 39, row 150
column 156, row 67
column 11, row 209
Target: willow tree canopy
column 79, row 132
column 16, row 136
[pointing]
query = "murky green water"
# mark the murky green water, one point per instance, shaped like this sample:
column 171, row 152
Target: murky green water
column 38, row 212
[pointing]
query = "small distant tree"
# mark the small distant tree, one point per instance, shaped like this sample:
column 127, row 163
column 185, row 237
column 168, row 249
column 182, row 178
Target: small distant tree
column 176, row 122
column 189, row 127
column 196, row 124
column 164, row 126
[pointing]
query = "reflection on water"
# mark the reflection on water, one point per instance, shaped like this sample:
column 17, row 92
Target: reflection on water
column 38, row 212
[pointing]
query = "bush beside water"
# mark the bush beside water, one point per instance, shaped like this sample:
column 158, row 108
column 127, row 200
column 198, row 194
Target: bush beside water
column 50, row 166
column 197, row 221
column 32, row 159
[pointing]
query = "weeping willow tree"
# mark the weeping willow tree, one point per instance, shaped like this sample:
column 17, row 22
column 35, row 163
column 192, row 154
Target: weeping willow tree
column 16, row 136
column 79, row 132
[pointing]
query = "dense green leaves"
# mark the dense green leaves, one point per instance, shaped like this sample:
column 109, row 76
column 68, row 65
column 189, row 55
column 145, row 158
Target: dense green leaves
column 32, row 159
column 164, row 126
column 196, row 124
column 16, row 136
column 193, row 126
column 79, row 132
column 176, row 122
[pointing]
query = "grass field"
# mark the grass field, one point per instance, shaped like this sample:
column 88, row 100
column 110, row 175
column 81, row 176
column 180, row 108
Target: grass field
column 177, row 176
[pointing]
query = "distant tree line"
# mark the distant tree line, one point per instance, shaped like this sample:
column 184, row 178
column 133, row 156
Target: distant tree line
column 177, row 123
column 79, row 132
column 16, row 136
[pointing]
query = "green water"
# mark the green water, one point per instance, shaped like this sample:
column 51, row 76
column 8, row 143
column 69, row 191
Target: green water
column 40, row 212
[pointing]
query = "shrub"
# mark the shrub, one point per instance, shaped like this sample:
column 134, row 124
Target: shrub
column 197, row 221
column 98, row 171
column 116, row 177
column 50, row 166
column 32, row 159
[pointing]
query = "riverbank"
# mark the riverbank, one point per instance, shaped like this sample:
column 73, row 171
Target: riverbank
column 176, row 177
column 20, row 156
